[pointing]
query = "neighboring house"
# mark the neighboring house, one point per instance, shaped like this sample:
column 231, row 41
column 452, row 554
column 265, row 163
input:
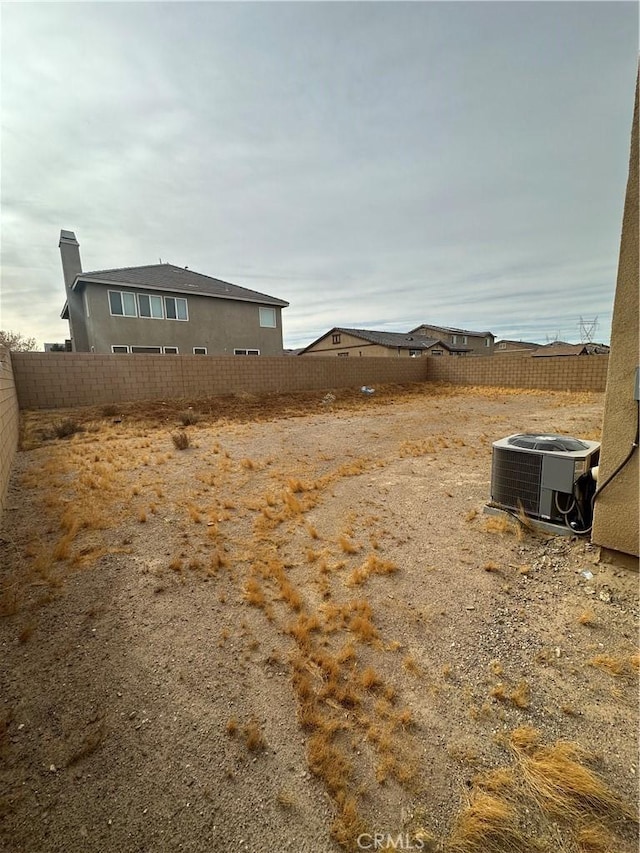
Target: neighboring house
column 164, row 309
column 513, row 346
column 365, row 342
column 475, row 343
column 562, row 348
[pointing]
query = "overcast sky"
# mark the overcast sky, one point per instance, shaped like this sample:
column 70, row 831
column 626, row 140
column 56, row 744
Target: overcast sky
column 377, row 165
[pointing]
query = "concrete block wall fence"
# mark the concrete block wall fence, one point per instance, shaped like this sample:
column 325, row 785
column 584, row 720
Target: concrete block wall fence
column 65, row 380
column 8, row 423
column 551, row 373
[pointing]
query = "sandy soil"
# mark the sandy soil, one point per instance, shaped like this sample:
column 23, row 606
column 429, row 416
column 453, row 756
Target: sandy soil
column 300, row 631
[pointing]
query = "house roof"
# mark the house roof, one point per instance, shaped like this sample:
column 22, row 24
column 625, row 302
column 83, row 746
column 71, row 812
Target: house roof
column 528, row 344
column 451, row 330
column 394, row 340
column 562, row 348
column 177, row 280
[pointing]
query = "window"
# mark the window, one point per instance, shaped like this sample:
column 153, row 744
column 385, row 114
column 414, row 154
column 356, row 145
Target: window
column 119, row 349
column 415, row 353
column 86, row 303
column 147, row 350
column 335, row 339
column 487, row 342
column 268, row 318
column 150, row 306
column 454, row 339
column 170, row 350
column 122, row 304
column 500, row 346
column 464, row 339
column 199, row 350
column 175, row 308
column 246, row 352
column 343, row 354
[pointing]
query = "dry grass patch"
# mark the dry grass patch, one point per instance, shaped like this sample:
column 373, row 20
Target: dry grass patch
column 559, row 780
column 373, row 565
column 617, row 666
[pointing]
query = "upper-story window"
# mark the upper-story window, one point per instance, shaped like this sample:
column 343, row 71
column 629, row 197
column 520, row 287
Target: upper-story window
column 464, row 339
column 268, row 318
column 454, row 339
column 335, row 338
column 150, row 306
column 175, row 308
column 487, row 342
column 500, row 346
column 122, row 303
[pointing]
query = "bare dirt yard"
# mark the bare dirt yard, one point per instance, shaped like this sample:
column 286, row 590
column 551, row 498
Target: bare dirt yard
column 302, row 633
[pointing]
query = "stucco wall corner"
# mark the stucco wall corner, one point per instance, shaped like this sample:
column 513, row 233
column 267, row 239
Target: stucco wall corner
column 616, row 515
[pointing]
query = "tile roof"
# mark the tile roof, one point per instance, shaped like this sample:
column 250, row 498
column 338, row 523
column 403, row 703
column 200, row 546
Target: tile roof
column 450, row 330
column 529, row 344
column 562, row 348
column 176, row 279
column 395, row 340
column 404, row 340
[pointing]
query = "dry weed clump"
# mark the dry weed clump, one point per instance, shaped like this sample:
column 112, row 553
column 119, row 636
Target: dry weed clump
column 488, row 824
column 188, row 417
column 253, row 737
column 501, row 525
column 572, row 804
column 180, row 439
column 588, row 618
column 373, row 565
column 520, row 696
column 620, row 666
column 253, row 593
column 347, row 545
column 559, row 780
column 64, row 429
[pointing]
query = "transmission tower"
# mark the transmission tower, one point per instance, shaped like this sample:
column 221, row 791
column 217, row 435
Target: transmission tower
column 588, row 328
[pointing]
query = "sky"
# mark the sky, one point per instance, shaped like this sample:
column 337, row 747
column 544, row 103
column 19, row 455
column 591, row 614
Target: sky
column 376, row 164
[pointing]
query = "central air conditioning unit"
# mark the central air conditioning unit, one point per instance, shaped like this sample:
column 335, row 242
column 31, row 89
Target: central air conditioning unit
column 538, row 474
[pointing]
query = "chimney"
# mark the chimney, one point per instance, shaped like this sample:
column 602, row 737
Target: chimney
column 71, row 268
column 70, row 254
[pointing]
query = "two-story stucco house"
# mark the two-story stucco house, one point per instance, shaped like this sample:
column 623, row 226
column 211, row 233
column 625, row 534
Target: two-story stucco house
column 162, row 308
column 474, row 343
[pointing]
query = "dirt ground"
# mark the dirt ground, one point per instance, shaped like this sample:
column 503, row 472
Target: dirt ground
column 302, row 633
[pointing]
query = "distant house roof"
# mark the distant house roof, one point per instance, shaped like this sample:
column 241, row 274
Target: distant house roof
column 562, row 348
column 178, row 280
column 525, row 344
column 451, row 330
column 393, row 340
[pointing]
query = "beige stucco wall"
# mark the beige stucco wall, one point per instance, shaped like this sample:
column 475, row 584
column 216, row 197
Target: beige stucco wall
column 354, row 347
column 616, row 510
column 8, row 423
column 220, row 325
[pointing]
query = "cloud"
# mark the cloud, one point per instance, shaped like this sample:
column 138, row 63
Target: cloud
column 372, row 163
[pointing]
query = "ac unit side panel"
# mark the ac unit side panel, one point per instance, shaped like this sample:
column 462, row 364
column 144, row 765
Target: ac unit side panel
column 515, row 480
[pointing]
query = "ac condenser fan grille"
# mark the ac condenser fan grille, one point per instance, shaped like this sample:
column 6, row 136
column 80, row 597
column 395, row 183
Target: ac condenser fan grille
column 515, row 479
